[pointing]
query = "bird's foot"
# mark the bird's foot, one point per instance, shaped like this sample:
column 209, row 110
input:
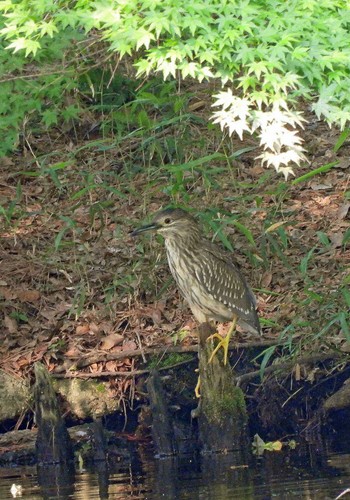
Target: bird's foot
column 223, row 342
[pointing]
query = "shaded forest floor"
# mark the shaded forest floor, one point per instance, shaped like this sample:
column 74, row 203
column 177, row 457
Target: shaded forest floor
column 74, row 286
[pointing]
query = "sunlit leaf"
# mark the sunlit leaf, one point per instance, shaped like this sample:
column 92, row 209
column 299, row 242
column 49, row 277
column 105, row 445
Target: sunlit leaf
column 274, row 226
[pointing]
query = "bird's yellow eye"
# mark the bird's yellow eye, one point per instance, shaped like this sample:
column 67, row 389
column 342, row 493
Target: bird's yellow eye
column 167, row 220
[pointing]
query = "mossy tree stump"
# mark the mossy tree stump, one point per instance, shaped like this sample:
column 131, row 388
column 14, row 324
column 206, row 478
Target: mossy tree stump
column 222, row 416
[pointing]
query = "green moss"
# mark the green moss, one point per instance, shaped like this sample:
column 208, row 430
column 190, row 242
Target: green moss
column 168, row 361
column 100, row 388
column 230, row 404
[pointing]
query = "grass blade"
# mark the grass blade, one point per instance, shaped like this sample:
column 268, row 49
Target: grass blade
column 312, row 173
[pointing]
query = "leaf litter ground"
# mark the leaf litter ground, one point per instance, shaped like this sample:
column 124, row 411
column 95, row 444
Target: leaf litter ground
column 74, row 286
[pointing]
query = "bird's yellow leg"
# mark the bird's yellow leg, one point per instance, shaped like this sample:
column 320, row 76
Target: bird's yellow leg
column 223, row 341
column 197, row 388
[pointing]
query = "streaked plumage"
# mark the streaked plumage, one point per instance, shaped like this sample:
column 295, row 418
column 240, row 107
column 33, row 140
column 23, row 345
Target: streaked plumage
column 206, row 275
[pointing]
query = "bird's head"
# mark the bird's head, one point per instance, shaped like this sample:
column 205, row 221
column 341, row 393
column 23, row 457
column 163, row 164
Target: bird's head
column 171, row 223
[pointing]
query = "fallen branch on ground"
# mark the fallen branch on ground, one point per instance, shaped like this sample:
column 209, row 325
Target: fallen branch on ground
column 287, row 366
column 161, row 351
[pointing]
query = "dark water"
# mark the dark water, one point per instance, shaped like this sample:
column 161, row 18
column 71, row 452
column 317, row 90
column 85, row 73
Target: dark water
column 311, row 472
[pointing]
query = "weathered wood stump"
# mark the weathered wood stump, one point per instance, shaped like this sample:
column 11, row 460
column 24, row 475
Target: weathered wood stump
column 99, row 442
column 222, row 417
column 53, row 444
column 162, row 428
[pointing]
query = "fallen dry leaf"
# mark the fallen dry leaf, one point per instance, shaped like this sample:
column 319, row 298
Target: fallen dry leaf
column 320, row 187
column 110, row 366
column 82, row 329
column 94, row 328
column 48, row 314
column 266, row 279
column 11, row 324
column 343, row 210
column 336, row 239
column 111, row 340
column 129, row 345
column 28, row 295
column 72, row 352
column 7, row 293
column 275, row 226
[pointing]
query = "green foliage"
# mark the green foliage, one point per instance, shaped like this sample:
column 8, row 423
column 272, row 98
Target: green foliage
column 58, row 346
column 70, row 224
column 28, row 93
column 342, row 138
column 316, row 171
column 268, row 38
column 12, row 210
column 270, row 51
column 19, row 316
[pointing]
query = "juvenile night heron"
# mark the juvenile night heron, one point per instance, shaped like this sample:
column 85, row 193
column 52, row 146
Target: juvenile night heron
column 206, row 275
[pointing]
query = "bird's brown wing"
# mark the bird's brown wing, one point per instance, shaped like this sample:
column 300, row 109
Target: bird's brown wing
column 223, row 279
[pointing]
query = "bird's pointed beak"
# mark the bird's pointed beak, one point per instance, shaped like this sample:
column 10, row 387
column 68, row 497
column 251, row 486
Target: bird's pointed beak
column 144, row 229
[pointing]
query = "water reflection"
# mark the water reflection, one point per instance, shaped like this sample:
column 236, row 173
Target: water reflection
column 56, row 481
column 312, row 472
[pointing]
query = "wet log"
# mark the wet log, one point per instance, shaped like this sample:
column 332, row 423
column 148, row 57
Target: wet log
column 222, row 416
column 91, row 445
column 53, row 444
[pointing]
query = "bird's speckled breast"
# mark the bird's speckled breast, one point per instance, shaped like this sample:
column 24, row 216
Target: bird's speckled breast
column 187, row 267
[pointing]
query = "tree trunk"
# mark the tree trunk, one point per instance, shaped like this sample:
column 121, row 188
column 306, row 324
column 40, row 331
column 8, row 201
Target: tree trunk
column 222, row 417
